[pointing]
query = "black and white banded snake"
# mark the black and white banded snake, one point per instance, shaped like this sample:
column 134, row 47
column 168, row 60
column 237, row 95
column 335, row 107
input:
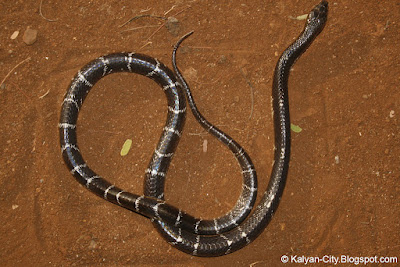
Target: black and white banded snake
column 198, row 237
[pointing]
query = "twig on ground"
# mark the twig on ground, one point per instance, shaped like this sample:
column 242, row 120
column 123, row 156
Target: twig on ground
column 16, row 66
column 166, row 12
column 181, row 11
column 142, row 16
column 199, row 134
column 159, row 28
column 145, row 10
column 141, row 27
column 41, row 14
column 146, row 44
column 211, row 82
column 200, row 47
column 254, row 263
column 48, row 91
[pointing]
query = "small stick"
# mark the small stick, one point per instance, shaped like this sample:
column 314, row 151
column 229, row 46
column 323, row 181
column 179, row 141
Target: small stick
column 159, row 28
column 105, row 131
column 201, row 47
column 145, row 10
column 41, row 14
column 142, row 16
column 146, row 44
column 16, row 66
column 254, row 263
column 204, row 83
column 48, row 91
column 137, row 28
column 169, row 10
column 181, row 11
column 386, row 25
column 199, row 134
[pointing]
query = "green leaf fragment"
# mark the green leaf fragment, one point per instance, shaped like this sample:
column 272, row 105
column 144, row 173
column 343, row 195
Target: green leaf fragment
column 126, row 147
column 302, row 17
column 295, row 128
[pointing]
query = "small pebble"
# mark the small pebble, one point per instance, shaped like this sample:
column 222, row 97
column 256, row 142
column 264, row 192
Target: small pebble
column 205, row 142
column 173, row 25
column 222, row 59
column 337, row 159
column 92, row 244
column 30, row 36
column 391, row 114
column 14, row 35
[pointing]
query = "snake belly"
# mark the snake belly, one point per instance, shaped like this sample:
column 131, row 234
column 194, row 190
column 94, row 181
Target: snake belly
column 246, row 232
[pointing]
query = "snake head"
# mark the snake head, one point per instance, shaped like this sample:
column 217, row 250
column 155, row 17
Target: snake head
column 318, row 15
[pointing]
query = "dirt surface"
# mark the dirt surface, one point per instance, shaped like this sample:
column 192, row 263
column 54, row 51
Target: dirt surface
column 342, row 194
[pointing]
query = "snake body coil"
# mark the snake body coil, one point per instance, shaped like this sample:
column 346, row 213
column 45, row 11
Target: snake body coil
column 198, row 237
